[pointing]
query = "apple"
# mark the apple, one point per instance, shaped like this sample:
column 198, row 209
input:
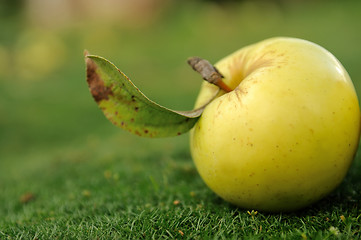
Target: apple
column 286, row 135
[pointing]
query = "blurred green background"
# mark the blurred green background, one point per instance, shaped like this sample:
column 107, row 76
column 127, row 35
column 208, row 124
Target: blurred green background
column 47, row 115
column 44, row 101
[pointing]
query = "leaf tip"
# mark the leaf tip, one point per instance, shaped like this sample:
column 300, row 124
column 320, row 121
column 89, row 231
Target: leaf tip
column 86, row 53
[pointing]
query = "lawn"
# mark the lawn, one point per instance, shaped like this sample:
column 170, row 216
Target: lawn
column 67, row 173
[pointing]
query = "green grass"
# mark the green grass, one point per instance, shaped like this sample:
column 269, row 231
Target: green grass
column 154, row 193
column 67, row 173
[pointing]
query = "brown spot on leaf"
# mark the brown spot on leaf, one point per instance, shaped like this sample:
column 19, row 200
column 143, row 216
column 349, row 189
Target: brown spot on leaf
column 95, row 83
column 136, row 109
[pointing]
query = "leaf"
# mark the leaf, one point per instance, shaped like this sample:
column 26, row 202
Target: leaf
column 128, row 108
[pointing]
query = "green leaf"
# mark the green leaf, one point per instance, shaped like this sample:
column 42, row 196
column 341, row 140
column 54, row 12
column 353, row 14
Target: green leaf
column 128, row 108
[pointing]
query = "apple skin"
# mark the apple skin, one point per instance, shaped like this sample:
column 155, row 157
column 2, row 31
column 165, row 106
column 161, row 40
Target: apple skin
column 286, row 135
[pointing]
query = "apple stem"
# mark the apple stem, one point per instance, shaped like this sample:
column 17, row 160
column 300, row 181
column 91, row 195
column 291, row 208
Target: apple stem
column 209, row 72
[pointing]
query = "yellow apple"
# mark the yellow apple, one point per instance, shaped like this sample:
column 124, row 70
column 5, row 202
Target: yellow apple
column 286, row 135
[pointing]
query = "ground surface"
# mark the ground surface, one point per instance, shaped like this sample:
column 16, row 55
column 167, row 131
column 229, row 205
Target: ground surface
column 67, row 173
